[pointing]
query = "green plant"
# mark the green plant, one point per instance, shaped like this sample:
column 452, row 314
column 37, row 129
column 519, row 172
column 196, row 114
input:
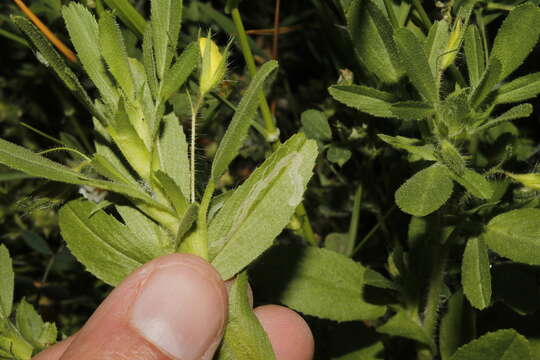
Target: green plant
column 425, row 192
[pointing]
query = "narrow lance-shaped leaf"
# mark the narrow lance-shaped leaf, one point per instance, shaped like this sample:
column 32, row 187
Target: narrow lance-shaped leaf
column 316, row 282
column 499, row 345
column 166, row 21
column 371, row 34
column 436, row 44
column 107, row 248
column 425, row 192
column 475, row 183
column 516, row 37
column 489, row 79
column 363, row 98
column 522, row 88
column 149, row 61
column 517, row 112
column 244, row 338
column 7, row 279
column 84, row 32
column 474, row 55
column 415, row 62
column 114, row 52
column 516, row 235
column 128, row 14
column 261, row 207
column 457, row 325
column 180, row 71
column 239, row 126
column 475, row 275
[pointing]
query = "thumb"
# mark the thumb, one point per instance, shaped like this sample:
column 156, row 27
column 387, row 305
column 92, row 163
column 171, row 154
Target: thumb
column 171, row 308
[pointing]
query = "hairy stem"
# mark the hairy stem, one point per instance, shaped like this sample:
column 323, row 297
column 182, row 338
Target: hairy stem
column 194, row 112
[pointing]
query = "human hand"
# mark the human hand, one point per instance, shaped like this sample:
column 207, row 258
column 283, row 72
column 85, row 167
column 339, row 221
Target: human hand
column 174, row 307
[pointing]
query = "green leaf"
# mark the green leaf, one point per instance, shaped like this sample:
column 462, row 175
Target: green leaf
column 128, row 14
column 435, row 45
column 413, row 146
column 7, row 281
column 521, row 23
column 84, row 32
column 371, row 34
column 315, row 125
column 425, row 192
column 146, row 231
column 180, row 71
column 241, row 122
column 114, row 52
column 244, row 338
column 474, row 183
column 403, row 326
column 185, row 224
column 522, row 88
column 456, row 325
column 516, row 235
column 517, row 112
column 26, row 161
column 109, row 170
column 316, row 282
column 474, row 54
column 416, row 63
column 475, row 274
column 489, row 79
column 261, row 207
column 172, row 151
column 166, row 20
column 33, row 328
column 107, row 248
column 338, row 155
column 499, row 345
column 363, row 98
column 149, row 61
column 411, row 110
column 172, row 192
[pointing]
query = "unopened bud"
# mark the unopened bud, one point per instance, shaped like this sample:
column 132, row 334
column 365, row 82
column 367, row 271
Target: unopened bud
column 213, row 65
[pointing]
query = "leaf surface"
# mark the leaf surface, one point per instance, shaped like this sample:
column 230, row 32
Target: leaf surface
column 475, row 274
column 499, row 345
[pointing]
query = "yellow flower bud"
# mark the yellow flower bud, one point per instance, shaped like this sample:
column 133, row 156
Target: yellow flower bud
column 213, row 65
column 453, row 45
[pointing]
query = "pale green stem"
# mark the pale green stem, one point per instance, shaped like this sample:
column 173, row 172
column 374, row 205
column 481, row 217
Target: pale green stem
column 194, row 112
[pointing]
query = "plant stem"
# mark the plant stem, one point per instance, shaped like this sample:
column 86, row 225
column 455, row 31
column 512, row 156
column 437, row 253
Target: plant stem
column 423, row 15
column 250, row 63
column 270, row 126
column 194, row 112
column 13, row 37
column 205, row 204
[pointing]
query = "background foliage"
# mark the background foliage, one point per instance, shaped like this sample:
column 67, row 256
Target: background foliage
column 387, row 184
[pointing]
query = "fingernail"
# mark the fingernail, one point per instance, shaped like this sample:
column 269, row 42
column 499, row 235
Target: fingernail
column 180, row 310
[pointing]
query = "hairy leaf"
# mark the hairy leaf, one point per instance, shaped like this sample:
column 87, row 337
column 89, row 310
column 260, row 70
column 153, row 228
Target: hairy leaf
column 474, row 54
column 517, row 112
column 425, row 192
column 107, row 248
column 489, row 79
column 241, row 122
column 521, row 23
column 84, row 32
column 316, row 282
column 435, row 45
column 522, row 88
column 516, row 235
column 166, row 20
column 456, row 326
column 363, row 98
column 413, row 146
column 416, row 63
column 180, row 71
column 315, row 125
column 499, row 345
column 411, row 110
column 37, row 332
column 261, row 207
column 474, row 183
column 475, row 274
column 128, row 14
column 7, row 280
column 371, row 33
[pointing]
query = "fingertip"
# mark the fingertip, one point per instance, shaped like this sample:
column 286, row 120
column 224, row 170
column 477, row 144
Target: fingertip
column 288, row 332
